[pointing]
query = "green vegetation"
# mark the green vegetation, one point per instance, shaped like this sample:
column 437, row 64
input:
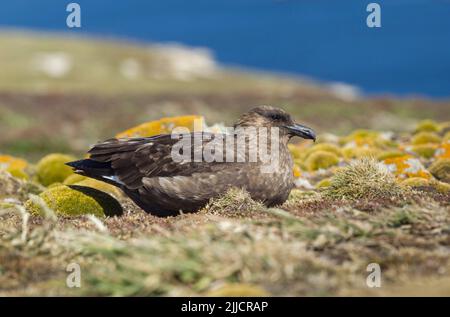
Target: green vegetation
column 213, row 254
column 52, row 169
column 327, row 147
column 427, row 126
column 75, row 201
column 441, row 169
column 321, row 160
column 424, row 150
column 425, row 138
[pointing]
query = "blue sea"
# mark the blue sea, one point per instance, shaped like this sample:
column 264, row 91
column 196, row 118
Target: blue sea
column 326, row 40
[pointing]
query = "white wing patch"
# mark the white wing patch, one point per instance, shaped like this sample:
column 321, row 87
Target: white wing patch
column 115, row 179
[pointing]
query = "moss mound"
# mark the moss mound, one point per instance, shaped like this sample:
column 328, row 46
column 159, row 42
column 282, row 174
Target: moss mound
column 101, row 186
column 416, row 182
column 427, row 126
column 425, row 138
column 73, row 179
column 52, row 169
column 442, row 187
column 75, row 201
column 441, row 169
column 425, row 150
column 19, row 173
column 360, row 152
column 321, row 160
column 360, row 136
column 327, row 147
column 389, row 154
column 363, row 179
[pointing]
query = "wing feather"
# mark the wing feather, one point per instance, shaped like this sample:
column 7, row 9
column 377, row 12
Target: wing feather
column 137, row 158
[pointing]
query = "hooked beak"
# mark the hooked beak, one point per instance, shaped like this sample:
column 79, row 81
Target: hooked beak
column 302, row 131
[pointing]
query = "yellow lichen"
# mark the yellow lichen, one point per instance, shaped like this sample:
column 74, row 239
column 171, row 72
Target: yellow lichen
column 406, row 166
column 15, row 166
column 7, row 161
column 443, row 151
column 441, row 169
column 321, row 160
column 367, row 138
column 425, row 138
column 297, row 171
column 164, row 126
column 52, row 169
column 75, row 201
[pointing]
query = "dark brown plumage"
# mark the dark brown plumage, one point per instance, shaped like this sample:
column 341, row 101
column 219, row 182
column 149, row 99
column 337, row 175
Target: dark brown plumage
column 144, row 169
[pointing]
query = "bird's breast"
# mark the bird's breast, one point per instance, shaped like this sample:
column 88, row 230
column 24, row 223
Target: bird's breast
column 272, row 183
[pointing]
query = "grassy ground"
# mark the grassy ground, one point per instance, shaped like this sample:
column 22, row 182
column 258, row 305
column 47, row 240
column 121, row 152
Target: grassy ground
column 312, row 245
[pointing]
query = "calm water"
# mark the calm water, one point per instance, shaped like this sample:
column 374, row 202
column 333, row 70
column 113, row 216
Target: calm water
column 323, row 39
